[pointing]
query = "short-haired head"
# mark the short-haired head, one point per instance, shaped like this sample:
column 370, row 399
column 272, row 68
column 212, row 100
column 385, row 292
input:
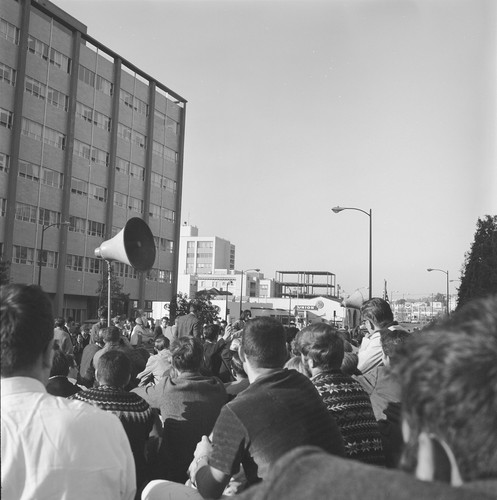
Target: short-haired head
column 26, row 326
column 59, row 322
column 264, row 343
column 211, row 332
column 161, row 342
column 392, row 339
column 187, row 354
column 110, row 335
column 323, row 345
column 378, row 312
column 60, row 364
column 448, row 378
column 114, row 369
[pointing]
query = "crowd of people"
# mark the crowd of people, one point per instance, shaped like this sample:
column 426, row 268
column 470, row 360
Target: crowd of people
column 254, row 409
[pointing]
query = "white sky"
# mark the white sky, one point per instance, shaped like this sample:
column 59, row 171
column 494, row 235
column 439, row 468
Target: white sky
column 295, row 107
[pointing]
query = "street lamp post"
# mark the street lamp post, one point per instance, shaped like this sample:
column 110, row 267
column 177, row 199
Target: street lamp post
column 447, row 276
column 241, row 287
column 370, row 215
column 43, row 229
column 226, row 308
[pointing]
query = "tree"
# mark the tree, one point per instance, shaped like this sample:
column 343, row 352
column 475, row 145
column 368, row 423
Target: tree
column 479, row 271
column 4, row 272
column 118, row 299
column 207, row 312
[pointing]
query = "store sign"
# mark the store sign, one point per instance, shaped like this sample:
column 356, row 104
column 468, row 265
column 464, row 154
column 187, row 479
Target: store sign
column 306, row 308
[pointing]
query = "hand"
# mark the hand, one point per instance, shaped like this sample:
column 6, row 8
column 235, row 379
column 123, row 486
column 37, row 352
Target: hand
column 204, row 448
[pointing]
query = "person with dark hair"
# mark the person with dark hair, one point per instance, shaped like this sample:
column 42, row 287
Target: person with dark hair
column 49, row 443
column 241, row 381
column 189, row 404
column 375, row 314
column 448, row 380
column 322, row 351
column 61, row 337
column 280, row 410
column 213, row 347
column 189, row 324
column 58, row 383
column 86, row 374
column 158, row 365
column 113, row 374
column 101, row 323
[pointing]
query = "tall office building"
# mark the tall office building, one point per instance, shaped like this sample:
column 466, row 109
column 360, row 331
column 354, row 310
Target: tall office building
column 87, row 141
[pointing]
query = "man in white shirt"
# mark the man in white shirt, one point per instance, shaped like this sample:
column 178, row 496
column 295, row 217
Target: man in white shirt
column 375, row 314
column 52, row 448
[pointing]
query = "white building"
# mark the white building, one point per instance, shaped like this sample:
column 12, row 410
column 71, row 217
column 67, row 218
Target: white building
column 203, row 254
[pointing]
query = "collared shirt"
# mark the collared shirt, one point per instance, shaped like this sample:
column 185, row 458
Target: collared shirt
column 370, row 353
column 53, row 448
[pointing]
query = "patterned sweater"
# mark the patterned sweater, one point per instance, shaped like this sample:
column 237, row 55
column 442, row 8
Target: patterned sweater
column 134, row 413
column 351, row 407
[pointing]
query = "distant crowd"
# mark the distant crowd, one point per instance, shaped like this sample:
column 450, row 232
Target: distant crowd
column 257, row 410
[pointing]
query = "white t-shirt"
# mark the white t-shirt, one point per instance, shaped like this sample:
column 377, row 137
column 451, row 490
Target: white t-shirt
column 54, row 448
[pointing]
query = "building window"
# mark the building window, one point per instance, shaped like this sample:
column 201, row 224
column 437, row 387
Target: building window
column 57, row 99
column 167, row 214
column 135, row 204
column 156, row 179
column 6, row 118
column 48, row 258
column 51, row 137
column 93, row 265
column 3, row 207
column 96, row 228
column 23, row 255
column 29, row 171
column 140, row 140
column 7, row 74
column 54, row 57
column 9, row 31
column 97, row 192
column 133, row 102
column 91, row 153
column 136, row 171
column 77, row 224
column 164, row 245
column 74, row 262
column 27, row 213
column 120, row 200
column 96, row 81
column 52, row 178
column 169, row 185
column 124, row 132
column 172, row 126
column 47, row 217
column 79, row 186
column 4, row 162
column 154, row 211
column 122, row 166
column 125, row 271
column 39, row 90
column 170, row 154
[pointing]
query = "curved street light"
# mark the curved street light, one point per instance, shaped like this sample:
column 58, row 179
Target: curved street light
column 43, row 229
column 370, row 215
column 241, row 286
column 447, row 275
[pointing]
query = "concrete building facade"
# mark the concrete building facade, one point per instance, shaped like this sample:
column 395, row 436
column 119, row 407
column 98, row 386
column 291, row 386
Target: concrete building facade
column 87, row 141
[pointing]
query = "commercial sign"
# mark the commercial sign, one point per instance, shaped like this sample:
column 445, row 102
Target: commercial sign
column 306, row 308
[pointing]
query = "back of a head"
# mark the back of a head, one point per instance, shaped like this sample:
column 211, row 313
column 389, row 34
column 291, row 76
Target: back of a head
column 111, row 334
column 264, row 343
column 60, row 364
column 187, row 354
column 211, row 332
column 448, row 379
column 161, row 343
column 26, row 326
column 323, row 345
column 378, row 311
column 392, row 339
column 113, row 369
column 59, row 322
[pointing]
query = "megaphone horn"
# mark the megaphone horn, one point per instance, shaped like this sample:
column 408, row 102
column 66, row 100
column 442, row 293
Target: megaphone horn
column 133, row 245
column 354, row 300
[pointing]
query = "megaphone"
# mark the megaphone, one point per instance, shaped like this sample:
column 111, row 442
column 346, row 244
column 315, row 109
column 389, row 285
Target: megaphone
column 133, row 245
column 354, row 301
